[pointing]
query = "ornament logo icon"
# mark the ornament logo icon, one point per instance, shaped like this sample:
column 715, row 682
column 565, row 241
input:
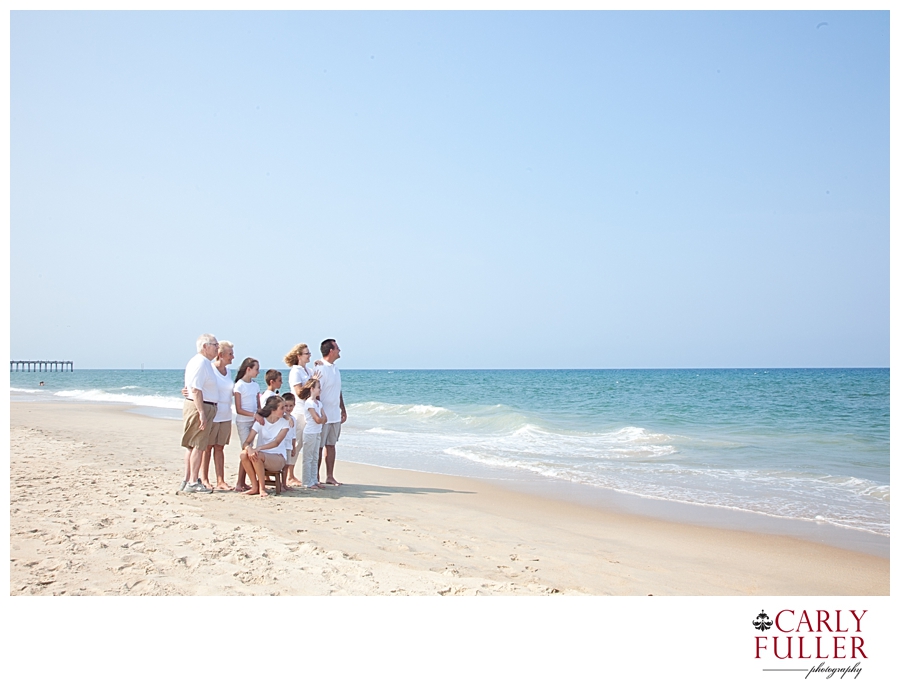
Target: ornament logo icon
column 762, row 621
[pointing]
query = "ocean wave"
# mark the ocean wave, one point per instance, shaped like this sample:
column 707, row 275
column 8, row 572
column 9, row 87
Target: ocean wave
column 499, row 429
column 95, row 395
column 431, row 418
column 865, row 522
column 638, row 461
column 26, row 390
column 544, row 469
column 812, row 499
column 515, row 429
column 629, row 443
column 390, row 409
column 862, row 487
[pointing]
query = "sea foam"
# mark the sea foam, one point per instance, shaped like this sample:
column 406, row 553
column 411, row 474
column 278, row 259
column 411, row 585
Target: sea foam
column 106, row 397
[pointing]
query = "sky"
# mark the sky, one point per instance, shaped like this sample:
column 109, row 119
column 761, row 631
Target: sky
column 452, row 190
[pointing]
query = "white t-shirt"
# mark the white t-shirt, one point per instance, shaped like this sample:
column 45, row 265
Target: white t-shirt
column 226, row 390
column 311, row 426
column 266, row 395
column 299, row 416
column 330, row 381
column 249, row 391
column 287, row 444
column 299, row 375
column 199, row 374
column 268, row 432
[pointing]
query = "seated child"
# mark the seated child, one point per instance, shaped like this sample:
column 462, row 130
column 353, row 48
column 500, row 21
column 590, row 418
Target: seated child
column 268, row 455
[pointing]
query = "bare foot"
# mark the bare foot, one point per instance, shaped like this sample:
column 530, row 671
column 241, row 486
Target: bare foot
column 207, row 484
column 333, row 482
column 286, row 488
column 222, row 486
column 263, row 493
column 294, row 482
column 240, row 488
column 249, row 492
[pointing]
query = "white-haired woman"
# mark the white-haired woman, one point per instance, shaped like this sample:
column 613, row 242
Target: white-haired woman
column 220, row 435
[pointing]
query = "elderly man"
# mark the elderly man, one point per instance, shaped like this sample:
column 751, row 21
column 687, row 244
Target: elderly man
column 332, row 405
column 199, row 410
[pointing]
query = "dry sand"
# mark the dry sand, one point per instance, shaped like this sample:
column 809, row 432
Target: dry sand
column 94, row 511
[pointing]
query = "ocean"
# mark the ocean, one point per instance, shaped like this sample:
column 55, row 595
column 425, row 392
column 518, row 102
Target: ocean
column 803, row 445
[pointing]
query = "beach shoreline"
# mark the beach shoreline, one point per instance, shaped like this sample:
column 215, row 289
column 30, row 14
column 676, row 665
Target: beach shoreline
column 567, row 490
column 387, row 532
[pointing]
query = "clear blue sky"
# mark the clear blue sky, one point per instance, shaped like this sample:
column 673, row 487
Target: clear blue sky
column 452, row 190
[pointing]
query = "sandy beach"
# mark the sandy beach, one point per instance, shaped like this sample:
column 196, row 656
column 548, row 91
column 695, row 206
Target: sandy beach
column 94, row 511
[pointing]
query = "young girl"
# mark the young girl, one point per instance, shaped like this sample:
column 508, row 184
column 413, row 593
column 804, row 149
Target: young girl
column 290, row 444
column 246, row 404
column 265, row 457
column 315, row 418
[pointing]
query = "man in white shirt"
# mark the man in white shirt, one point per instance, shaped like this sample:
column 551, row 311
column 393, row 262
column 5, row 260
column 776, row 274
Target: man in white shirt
column 332, row 400
column 199, row 410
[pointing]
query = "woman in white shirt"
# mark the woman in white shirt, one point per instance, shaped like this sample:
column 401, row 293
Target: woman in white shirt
column 220, row 434
column 298, row 360
column 257, row 461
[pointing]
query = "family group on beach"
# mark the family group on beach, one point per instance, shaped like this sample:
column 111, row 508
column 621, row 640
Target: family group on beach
column 305, row 423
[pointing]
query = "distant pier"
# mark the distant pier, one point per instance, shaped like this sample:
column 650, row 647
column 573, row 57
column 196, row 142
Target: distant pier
column 41, row 366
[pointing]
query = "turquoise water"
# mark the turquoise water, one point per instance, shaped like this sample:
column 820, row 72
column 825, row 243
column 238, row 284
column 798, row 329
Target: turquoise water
column 804, row 444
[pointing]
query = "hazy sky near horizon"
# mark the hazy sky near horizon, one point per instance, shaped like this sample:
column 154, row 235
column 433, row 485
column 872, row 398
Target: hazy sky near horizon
column 452, row 190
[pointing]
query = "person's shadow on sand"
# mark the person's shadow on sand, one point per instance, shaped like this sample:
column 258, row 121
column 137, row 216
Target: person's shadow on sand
column 366, row 491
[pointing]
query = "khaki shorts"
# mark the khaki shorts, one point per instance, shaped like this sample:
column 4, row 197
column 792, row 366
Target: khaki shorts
column 220, row 434
column 291, row 460
column 331, row 432
column 193, row 437
column 274, row 461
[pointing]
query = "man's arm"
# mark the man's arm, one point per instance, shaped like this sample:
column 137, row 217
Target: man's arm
column 198, row 402
column 343, row 409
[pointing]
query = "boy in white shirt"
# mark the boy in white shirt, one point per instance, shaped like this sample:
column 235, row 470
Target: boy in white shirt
column 273, row 384
column 290, row 444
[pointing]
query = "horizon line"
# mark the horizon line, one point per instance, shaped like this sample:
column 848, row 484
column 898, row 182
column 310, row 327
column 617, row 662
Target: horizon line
column 490, row 369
